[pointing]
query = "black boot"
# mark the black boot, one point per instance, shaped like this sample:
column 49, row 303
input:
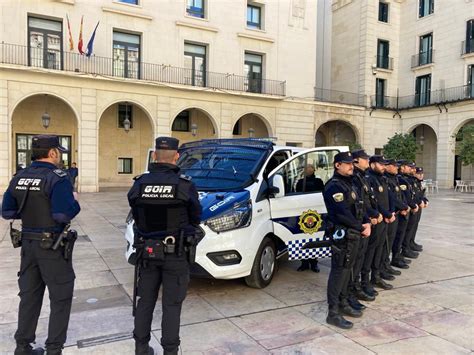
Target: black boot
column 314, row 265
column 407, row 253
column 361, row 295
column 170, row 352
column 347, row 310
column 381, row 283
column 336, row 319
column 389, row 269
column 416, row 247
column 304, row 265
column 143, row 349
column 400, row 264
column 355, row 304
column 27, row 349
column 387, row 276
column 368, row 289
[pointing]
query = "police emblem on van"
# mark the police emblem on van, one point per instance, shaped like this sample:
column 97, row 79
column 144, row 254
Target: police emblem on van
column 158, row 191
column 310, row 221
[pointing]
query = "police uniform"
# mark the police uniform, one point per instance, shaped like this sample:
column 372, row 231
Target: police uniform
column 412, row 223
column 166, row 209
column 378, row 238
column 42, row 197
column 370, row 206
column 397, row 205
column 345, row 216
column 420, row 198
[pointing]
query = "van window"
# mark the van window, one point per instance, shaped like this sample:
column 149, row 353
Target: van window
column 308, row 173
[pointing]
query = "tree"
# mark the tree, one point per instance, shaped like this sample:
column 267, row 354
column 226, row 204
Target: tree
column 465, row 144
column 354, row 146
column 401, row 146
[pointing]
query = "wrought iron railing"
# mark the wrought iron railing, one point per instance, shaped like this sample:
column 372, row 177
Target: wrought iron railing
column 342, row 97
column 467, row 46
column 422, row 58
column 133, row 69
column 384, row 62
column 436, row 97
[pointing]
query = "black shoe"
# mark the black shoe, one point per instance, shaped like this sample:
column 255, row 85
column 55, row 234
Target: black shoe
column 389, row 269
column 407, row 253
column 382, row 284
column 416, row 247
column 400, row 264
column 304, row 265
column 361, row 295
column 337, row 320
column 40, row 351
column 370, row 291
column 315, row 267
column 355, row 304
column 145, row 349
column 347, row 310
column 406, row 261
column 28, row 350
column 387, row 276
column 170, row 352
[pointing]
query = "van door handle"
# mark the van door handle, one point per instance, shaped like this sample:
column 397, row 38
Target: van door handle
column 259, row 210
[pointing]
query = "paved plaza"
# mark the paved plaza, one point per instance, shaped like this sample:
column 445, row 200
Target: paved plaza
column 430, row 310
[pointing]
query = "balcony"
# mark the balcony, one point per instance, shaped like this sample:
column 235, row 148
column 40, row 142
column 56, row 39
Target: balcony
column 437, row 97
column 422, row 58
column 467, row 47
column 96, row 65
column 383, row 62
column 340, row 97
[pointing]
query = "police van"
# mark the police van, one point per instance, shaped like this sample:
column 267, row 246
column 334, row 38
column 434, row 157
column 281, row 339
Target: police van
column 259, row 202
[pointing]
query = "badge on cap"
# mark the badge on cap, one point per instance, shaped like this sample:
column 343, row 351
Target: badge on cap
column 339, row 197
column 380, row 189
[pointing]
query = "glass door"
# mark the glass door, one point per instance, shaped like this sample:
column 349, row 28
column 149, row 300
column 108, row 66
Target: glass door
column 23, row 150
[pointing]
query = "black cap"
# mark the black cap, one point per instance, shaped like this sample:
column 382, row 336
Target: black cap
column 391, row 162
column 343, row 157
column 166, row 143
column 377, row 159
column 406, row 162
column 419, row 170
column 47, row 142
column 360, row 153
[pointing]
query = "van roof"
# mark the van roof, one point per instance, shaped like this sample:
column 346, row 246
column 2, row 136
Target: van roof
column 242, row 142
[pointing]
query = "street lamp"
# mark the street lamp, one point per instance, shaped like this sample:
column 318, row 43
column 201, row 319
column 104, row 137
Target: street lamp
column 126, row 121
column 251, row 132
column 194, row 128
column 45, row 117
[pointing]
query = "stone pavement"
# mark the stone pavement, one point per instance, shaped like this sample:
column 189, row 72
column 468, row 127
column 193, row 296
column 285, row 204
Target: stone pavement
column 430, row 310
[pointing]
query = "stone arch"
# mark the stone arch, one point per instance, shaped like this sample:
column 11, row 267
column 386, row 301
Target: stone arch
column 261, row 118
column 328, row 130
column 417, row 124
column 461, row 172
column 131, row 101
column 195, row 115
column 426, row 155
column 461, row 125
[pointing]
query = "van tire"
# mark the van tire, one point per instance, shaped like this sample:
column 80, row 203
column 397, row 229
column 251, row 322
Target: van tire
column 264, row 266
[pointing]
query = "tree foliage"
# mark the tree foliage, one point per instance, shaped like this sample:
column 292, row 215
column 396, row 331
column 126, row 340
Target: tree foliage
column 465, row 144
column 401, row 146
column 354, row 146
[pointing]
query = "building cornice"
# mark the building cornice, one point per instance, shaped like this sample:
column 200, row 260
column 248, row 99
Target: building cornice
column 196, row 26
column 257, row 38
column 127, row 13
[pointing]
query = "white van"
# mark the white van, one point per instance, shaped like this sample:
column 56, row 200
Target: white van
column 258, row 204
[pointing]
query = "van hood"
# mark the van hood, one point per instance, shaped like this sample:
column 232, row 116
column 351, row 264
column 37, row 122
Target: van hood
column 216, row 203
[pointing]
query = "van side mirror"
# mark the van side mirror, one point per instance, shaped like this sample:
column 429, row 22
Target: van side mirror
column 277, row 186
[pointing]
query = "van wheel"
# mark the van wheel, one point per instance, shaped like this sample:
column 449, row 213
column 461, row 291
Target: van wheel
column 264, row 266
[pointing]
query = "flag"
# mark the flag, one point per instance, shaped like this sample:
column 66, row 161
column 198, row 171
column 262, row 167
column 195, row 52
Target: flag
column 90, row 45
column 71, row 43
column 79, row 45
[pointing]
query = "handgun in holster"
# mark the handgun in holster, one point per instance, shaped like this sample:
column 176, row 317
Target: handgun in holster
column 15, row 235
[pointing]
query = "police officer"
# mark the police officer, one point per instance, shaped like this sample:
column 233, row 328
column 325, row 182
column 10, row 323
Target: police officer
column 166, row 211
column 346, row 224
column 422, row 201
column 42, row 197
column 361, row 164
column 399, row 206
column 378, row 239
column 412, row 223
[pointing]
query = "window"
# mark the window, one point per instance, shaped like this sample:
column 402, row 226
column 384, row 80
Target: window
column 294, row 144
column 195, row 8
column 378, row 151
column 195, row 64
column 470, row 81
column 133, row 2
column 380, row 93
column 253, row 72
column 426, row 7
column 383, row 11
column 423, row 90
column 254, row 16
column 23, row 150
column 383, row 48
column 125, row 165
column 45, row 38
column 126, row 52
column 426, row 49
column 307, row 173
column 237, row 131
column 469, row 46
column 181, row 122
column 125, row 111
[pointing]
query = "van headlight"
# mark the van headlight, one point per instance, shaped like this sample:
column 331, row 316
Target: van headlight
column 238, row 217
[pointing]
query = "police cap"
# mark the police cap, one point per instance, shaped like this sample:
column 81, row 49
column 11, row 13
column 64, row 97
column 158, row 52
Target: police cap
column 406, row 162
column 44, row 141
column 360, row 153
column 377, row 159
column 166, row 143
column 391, row 162
column 343, row 157
column 419, row 170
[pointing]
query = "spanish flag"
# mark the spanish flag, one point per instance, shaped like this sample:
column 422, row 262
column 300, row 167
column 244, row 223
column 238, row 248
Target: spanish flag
column 71, row 43
column 79, row 45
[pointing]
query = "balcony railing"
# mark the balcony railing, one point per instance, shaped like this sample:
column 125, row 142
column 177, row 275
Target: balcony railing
column 342, row 97
column 96, row 65
column 436, row 97
column 422, row 58
column 383, row 62
column 467, row 46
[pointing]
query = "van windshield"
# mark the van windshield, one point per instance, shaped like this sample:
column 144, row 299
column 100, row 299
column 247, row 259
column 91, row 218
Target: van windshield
column 221, row 168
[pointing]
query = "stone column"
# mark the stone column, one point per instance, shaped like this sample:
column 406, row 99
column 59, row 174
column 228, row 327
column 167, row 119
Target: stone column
column 163, row 119
column 88, row 142
column 445, row 154
column 6, row 153
column 226, row 121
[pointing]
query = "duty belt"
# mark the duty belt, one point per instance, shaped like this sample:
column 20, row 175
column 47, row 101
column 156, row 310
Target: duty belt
column 38, row 236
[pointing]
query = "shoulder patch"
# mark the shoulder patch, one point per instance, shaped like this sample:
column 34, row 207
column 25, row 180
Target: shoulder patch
column 60, row 173
column 339, row 197
column 185, row 177
column 403, row 187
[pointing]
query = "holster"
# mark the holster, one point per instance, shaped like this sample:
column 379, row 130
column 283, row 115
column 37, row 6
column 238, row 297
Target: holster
column 69, row 242
column 15, row 236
